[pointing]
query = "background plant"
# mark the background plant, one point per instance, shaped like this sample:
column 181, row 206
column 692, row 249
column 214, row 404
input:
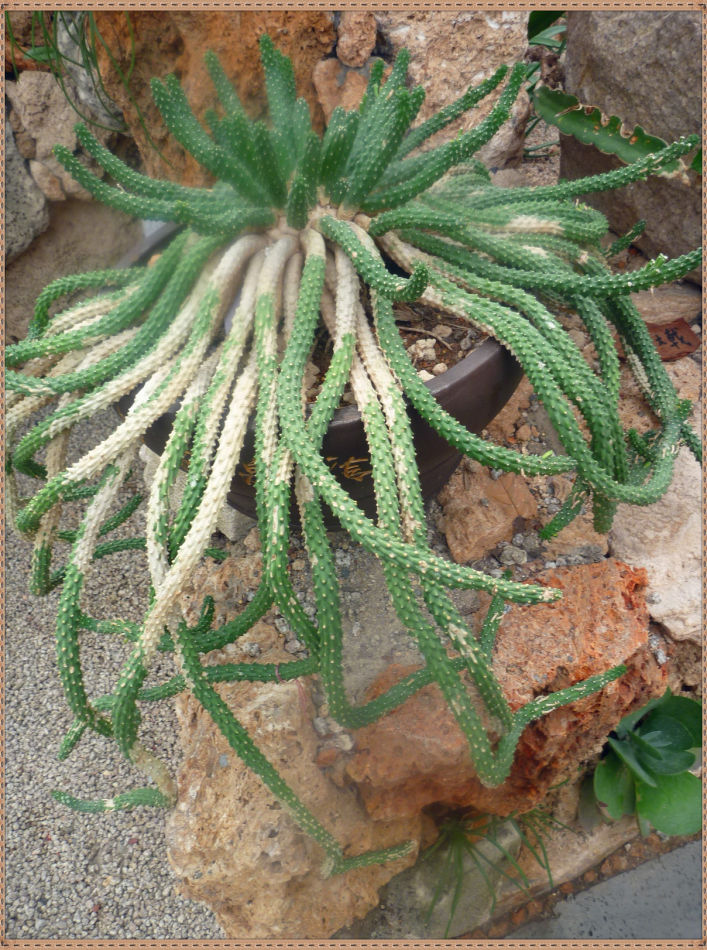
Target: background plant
column 589, row 125
column 298, row 224
column 479, row 839
column 645, row 767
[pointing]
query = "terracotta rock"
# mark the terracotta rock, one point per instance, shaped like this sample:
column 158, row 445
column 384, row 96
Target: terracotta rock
column 227, row 583
column 452, row 50
column 666, row 539
column 634, row 410
column 21, row 25
column 479, row 510
column 337, row 86
column 234, row 847
column 175, row 41
column 417, row 755
column 357, row 37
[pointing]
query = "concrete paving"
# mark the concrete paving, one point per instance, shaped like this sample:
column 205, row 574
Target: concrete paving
column 658, row 900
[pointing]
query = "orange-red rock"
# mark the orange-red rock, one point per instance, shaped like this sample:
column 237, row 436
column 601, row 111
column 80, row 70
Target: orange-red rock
column 174, row 41
column 20, row 25
column 417, row 755
column 338, row 86
column 357, row 37
column 504, row 424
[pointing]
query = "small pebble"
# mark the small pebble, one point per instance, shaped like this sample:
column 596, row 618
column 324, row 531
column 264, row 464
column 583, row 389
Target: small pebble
column 343, row 741
column 513, row 555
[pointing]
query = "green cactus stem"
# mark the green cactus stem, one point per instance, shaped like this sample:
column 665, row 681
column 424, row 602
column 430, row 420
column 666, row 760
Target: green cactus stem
column 302, row 229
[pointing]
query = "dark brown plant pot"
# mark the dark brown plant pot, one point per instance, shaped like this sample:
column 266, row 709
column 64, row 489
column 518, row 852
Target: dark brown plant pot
column 473, row 391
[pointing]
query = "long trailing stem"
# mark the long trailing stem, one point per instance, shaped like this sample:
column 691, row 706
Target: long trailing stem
column 303, row 229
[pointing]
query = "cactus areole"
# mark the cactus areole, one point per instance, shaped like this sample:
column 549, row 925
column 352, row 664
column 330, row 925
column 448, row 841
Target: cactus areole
column 302, row 226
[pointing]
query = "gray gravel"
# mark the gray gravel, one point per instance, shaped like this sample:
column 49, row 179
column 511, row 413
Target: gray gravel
column 71, row 875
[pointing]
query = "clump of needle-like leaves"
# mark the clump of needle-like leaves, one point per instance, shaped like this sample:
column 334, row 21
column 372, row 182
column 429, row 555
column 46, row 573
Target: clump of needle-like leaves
column 298, row 224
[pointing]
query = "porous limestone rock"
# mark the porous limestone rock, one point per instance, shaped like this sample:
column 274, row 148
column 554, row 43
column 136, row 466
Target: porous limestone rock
column 43, row 116
column 452, row 50
column 439, row 43
column 668, row 303
column 234, row 847
column 417, row 755
column 174, row 41
column 644, row 67
column 666, row 539
column 26, row 209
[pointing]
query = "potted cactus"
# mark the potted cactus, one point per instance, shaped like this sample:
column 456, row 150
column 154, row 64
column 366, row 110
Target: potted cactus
column 300, row 230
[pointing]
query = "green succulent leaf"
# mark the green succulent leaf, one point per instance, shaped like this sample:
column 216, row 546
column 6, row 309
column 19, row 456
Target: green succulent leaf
column 172, row 331
column 539, row 21
column 664, row 732
column 614, row 787
column 549, row 36
column 673, row 804
column 679, row 709
column 592, row 127
column 628, row 754
column 657, row 755
column 628, row 723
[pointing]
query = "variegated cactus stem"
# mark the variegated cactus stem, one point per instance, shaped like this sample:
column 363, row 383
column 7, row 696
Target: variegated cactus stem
column 300, row 229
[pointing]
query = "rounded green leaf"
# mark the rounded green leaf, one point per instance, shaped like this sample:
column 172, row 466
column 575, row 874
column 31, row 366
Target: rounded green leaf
column 671, row 762
column 628, row 754
column 614, row 787
column 664, row 732
column 687, row 712
column 674, row 805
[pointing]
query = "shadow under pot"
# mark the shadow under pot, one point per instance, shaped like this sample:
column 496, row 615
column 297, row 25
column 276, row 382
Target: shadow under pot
column 473, row 391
